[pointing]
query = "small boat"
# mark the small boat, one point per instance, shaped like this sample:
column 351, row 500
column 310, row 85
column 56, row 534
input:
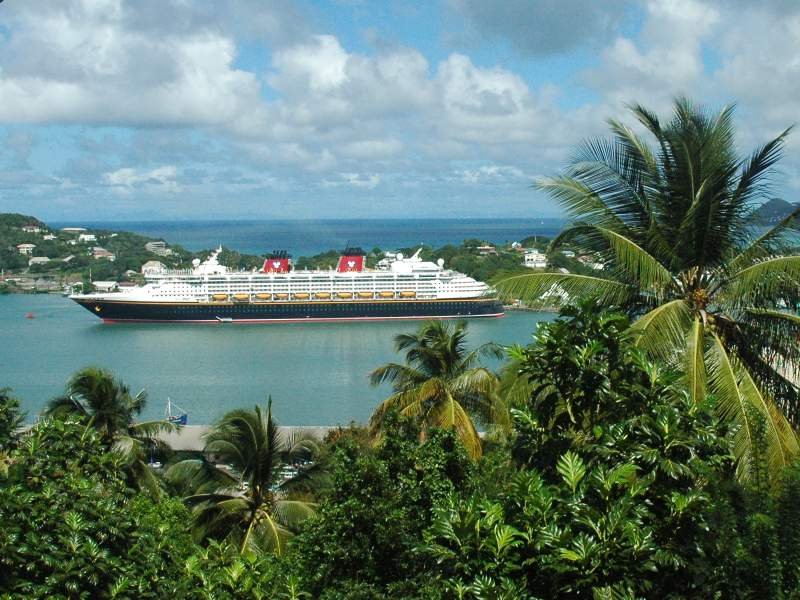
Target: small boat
column 386, row 294
column 365, row 294
column 30, row 315
column 225, row 319
column 263, row 296
column 322, row 295
column 281, row 296
column 219, row 297
column 181, row 417
column 344, row 295
column 301, row 296
column 241, row 297
column 408, row 294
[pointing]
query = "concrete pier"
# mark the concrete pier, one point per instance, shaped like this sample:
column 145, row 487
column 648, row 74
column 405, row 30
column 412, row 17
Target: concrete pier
column 191, row 437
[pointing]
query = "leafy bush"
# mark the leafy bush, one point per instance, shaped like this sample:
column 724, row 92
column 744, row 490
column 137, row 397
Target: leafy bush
column 612, row 490
column 71, row 527
column 364, row 536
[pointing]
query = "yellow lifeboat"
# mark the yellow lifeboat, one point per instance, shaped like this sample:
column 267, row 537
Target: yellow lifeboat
column 241, row 297
column 322, row 295
column 386, row 294
column 344, row 295
column 263, row 296
column 301, row 296
column 365, row 294
column 219, row 297
column 408, row 294
column 281, row 296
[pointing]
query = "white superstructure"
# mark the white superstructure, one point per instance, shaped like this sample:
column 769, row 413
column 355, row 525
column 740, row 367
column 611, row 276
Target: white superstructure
column 209, row 281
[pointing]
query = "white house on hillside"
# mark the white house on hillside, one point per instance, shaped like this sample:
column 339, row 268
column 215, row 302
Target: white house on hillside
column 26, row 249
column 87, row 237
column 535, row 259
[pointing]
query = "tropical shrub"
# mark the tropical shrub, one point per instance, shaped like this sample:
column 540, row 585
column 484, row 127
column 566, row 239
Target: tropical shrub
column 362, row 542
column 612, row 493
column 10, row 420
column 72, row 528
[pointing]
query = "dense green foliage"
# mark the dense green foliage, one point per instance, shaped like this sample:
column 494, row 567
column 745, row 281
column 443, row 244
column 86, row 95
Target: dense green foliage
column 613, row 482
column 10, row 420
column 673, row 224
column 72, row 528
column 365, row 535
column 612, row 488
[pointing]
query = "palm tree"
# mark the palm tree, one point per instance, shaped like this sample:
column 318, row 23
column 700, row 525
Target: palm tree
column 711, row 294
column 441, row 383
column 107, row 405
column 239, row 496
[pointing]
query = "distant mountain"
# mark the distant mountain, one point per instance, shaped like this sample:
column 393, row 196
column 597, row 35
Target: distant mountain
column 774, row 211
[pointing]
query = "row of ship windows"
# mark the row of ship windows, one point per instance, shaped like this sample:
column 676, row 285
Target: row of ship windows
column 461, row 307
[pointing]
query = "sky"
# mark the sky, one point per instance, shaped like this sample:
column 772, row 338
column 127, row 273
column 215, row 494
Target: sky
column 260, row 109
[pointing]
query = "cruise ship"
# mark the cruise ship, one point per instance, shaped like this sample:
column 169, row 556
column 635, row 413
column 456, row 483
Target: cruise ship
column 407, row 288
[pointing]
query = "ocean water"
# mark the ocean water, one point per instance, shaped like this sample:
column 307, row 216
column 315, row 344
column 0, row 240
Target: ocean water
column 315, row 372
column 308, row 237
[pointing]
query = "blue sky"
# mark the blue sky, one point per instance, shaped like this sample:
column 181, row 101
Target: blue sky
column 181, row 109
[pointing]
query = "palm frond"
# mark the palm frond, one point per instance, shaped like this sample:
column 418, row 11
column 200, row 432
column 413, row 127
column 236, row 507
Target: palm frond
column 781, row 448
column 151, row 429
column 758, row 167
column 198, row 476
column 399, row 375
column 695, row 361
column 580, row 201
column 763, row 280
column 451, row 415
column 731, row 407
column 662, row 331
column 560, row 288
column 765, row 244
column 290, row 513
column 738, row 398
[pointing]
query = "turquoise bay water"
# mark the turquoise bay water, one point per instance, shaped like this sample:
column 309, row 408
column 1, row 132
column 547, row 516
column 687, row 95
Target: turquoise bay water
column 316, row 372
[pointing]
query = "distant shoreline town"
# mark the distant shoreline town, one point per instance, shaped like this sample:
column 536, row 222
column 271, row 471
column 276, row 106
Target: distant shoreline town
column 37, row 258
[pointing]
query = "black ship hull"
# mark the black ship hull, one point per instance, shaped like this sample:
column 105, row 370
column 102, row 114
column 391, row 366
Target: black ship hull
column 113, row 310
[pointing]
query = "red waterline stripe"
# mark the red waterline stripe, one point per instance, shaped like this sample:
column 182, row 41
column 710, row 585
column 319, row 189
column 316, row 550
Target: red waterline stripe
column 304, row 320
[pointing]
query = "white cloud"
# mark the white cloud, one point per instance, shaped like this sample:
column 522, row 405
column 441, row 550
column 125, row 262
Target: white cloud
column 126, row 178
column 492, row 174
column 81, row 62
column 666, row 59
column 357, row 180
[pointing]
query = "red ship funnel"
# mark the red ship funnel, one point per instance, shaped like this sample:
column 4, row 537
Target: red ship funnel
column 277, row 262
column 351, row 261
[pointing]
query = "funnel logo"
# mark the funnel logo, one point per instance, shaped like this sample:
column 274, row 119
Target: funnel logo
column 351, row 263
column 276, row 264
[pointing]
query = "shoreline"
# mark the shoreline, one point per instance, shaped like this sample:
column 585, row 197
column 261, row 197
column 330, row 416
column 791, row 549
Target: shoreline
column 190, row 437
